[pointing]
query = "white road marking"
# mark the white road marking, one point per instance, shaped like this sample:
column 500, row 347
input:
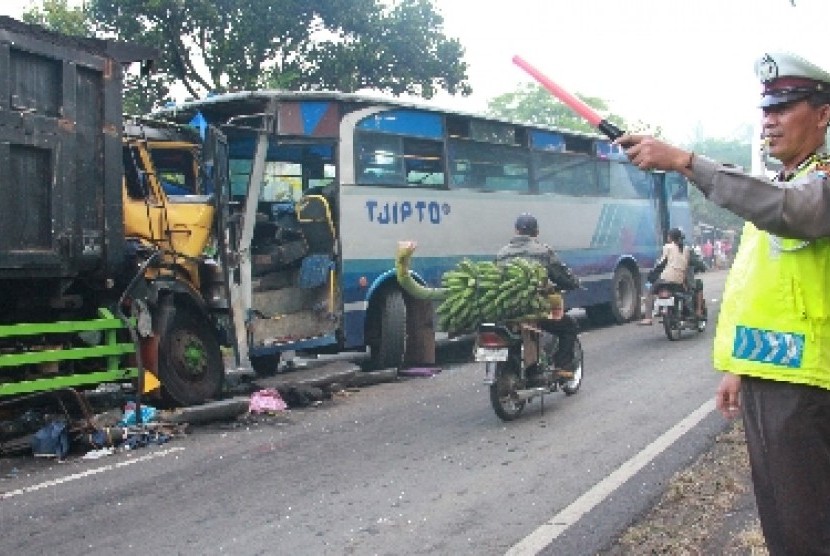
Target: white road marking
column 87, row 473
column 555, row 526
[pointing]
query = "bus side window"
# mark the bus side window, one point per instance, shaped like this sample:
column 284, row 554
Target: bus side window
column 487, row 166
column 574, row 175
column 424, row 162
column 379, row 160
column 629, row 182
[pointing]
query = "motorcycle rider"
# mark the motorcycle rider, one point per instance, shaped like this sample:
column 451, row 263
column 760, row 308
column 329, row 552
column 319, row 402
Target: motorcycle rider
column 695, row 285
column 674, row 261
column 525, row 244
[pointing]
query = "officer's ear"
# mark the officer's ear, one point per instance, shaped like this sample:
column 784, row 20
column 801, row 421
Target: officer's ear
column 824, row 115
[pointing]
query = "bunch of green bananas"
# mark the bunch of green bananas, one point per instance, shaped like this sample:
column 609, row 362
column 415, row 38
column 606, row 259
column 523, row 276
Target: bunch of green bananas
column 484, row 291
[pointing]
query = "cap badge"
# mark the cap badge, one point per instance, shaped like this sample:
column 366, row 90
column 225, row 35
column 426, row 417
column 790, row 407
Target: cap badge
column 767, row 68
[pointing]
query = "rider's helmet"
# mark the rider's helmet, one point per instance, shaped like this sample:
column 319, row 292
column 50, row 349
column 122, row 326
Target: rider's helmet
column 527, row 225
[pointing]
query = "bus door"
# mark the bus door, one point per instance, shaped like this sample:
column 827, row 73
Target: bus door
column 284, row 241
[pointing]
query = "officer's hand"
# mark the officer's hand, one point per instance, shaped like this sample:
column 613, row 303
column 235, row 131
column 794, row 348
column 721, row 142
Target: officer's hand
column 728, row 396
column 648, row 153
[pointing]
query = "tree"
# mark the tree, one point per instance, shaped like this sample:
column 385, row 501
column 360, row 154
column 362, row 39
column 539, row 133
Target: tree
column 733, row 151
column 533, row 104
column 58, row 16
column 345, row 45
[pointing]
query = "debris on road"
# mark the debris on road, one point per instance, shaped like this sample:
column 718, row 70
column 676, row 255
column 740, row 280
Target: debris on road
column 267, row 400
column 420, row 372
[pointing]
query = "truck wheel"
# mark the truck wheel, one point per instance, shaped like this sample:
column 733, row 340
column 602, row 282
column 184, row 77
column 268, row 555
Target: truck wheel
column 625, row 303
column 191, row 369
column 389, row 345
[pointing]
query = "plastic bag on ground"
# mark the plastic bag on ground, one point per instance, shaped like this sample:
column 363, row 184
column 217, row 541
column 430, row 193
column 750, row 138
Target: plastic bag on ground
column 267, row 400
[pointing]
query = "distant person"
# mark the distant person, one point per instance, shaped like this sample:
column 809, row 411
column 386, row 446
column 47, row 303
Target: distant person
column 774, row 343
column 674, row 260
column 726, row 247
column 708, row 253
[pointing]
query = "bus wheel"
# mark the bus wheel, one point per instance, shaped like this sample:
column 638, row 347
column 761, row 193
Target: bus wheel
column 625, row 304
column 190, row 364
column 389, row 343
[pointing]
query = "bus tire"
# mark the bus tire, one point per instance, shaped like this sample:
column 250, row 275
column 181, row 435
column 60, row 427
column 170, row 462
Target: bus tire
column 389, row 343
column 625, row 303
column 190, row 363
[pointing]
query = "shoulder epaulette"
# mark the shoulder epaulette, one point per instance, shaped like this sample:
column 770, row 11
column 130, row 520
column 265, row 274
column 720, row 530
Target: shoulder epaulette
column 822, row 163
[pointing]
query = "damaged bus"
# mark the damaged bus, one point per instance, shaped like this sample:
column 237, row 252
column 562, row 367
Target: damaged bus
column 323, row 185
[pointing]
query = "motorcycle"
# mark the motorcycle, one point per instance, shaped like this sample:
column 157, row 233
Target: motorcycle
column 674, row 305
column 509, row 351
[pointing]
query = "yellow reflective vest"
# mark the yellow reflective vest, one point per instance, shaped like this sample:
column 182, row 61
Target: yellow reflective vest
column 774, row 322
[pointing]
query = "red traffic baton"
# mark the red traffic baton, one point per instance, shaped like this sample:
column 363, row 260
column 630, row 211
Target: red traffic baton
column 582, row 109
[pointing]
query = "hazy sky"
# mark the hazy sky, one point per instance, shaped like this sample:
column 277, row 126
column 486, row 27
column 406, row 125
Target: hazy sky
column 675, row 63
column 685, row 65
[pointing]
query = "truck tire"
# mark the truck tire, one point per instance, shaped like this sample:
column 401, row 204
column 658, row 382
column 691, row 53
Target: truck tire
column 389, row 344
column 190, row 363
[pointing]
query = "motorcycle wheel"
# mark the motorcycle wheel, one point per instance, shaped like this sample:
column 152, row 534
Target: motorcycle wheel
column 503, row 393
column 671, row 324
column 571, row 387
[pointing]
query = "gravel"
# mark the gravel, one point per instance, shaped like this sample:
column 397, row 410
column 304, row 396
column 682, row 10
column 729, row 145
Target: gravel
column 708, row 508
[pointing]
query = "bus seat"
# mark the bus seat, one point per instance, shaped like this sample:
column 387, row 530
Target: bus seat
column 315, row 270
column 314, row 217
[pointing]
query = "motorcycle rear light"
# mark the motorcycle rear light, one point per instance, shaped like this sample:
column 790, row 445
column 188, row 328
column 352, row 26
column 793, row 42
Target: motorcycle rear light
column 491, row 339
column 664, row 294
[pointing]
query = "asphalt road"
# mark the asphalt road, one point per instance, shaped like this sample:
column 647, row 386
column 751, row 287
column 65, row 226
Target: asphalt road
column 419, row 466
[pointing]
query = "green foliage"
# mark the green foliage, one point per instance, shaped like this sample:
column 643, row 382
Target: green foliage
column 346, row 45
column 57, row 15
column 533, row 104
column 731, row 151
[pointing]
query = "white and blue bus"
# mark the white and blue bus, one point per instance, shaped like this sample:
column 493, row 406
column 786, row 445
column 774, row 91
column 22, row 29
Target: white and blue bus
column 324, row 185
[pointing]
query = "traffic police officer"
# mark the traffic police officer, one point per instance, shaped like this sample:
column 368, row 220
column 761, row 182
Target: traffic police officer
column 773, row 334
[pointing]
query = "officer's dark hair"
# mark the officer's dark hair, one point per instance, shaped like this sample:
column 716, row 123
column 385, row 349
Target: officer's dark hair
column 527, row 225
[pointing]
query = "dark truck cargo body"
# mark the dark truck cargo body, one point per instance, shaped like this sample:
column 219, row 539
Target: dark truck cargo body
column 61, row 223
column 62, row 246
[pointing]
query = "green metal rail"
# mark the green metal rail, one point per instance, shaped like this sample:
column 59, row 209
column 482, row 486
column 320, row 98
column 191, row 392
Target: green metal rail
column 110, row 353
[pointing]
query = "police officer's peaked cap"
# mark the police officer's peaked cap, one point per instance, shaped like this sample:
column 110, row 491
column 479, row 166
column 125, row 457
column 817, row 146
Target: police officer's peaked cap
column 526, row 224
column 788, row 78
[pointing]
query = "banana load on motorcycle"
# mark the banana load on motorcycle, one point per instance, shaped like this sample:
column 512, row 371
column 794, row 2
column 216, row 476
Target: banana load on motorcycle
column 483, row 291
column 528, row 344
